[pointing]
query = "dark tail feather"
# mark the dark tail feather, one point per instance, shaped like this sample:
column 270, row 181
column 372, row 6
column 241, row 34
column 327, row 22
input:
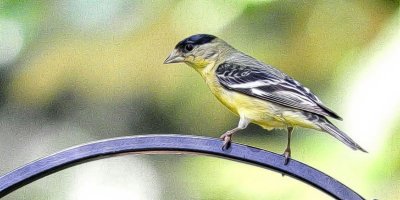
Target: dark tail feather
column 340, row 135
column 330, row 112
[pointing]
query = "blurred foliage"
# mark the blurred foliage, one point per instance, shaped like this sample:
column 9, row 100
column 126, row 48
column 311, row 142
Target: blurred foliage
column 77, row 71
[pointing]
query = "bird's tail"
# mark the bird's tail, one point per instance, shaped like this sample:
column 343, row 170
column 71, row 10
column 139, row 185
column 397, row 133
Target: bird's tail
column 328, row 127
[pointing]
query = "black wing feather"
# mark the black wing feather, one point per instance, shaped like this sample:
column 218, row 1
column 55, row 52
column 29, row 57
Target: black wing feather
column 257, row 82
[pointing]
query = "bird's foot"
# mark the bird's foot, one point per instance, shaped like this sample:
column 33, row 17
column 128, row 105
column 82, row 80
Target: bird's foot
column 226, row 137
column 287, row 155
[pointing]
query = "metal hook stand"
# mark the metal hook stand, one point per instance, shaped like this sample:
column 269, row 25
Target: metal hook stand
column 165, row 144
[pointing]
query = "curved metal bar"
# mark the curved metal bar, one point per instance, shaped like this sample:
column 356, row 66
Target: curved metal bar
column 172, row 144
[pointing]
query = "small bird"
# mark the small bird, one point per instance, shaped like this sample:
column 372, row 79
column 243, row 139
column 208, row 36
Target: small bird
column 258, row 93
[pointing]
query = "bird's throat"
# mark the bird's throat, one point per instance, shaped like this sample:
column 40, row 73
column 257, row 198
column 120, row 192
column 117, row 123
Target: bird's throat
column 206, row 69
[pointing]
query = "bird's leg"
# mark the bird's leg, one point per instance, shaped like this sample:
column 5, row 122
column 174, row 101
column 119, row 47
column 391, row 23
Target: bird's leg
column 227, row 136
column 287, row 150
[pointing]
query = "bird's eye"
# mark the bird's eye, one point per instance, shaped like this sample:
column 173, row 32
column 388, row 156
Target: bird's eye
column 188, row 47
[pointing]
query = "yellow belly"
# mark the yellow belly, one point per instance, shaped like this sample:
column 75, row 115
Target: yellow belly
column 259, row 112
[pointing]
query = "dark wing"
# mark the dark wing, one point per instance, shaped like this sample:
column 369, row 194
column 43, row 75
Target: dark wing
column 259, row 83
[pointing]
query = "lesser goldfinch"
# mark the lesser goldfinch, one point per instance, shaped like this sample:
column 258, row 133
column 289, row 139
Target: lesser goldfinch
column 257, row 92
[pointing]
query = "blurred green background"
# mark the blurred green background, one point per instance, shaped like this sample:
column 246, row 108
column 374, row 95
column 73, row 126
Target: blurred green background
column 75, row 71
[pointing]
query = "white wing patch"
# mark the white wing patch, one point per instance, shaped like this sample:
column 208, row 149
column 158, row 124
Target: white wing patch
column 257, row 91
column 253, row 84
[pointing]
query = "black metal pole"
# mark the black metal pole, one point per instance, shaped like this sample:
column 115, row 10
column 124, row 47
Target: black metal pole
column 172, row 144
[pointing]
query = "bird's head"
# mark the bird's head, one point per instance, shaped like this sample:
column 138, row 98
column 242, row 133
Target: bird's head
column 197, row 51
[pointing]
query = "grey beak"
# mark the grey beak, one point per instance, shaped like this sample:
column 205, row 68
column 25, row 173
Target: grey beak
column 174, row 57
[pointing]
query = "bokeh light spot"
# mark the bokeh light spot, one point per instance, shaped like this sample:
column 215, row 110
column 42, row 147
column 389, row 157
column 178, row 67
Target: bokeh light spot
column 11, row 40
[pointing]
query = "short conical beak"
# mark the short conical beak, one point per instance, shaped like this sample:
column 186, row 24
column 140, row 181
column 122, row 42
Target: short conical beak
column 174, row 57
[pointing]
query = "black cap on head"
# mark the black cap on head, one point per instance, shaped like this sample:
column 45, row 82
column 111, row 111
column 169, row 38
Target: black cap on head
column 198, row 39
